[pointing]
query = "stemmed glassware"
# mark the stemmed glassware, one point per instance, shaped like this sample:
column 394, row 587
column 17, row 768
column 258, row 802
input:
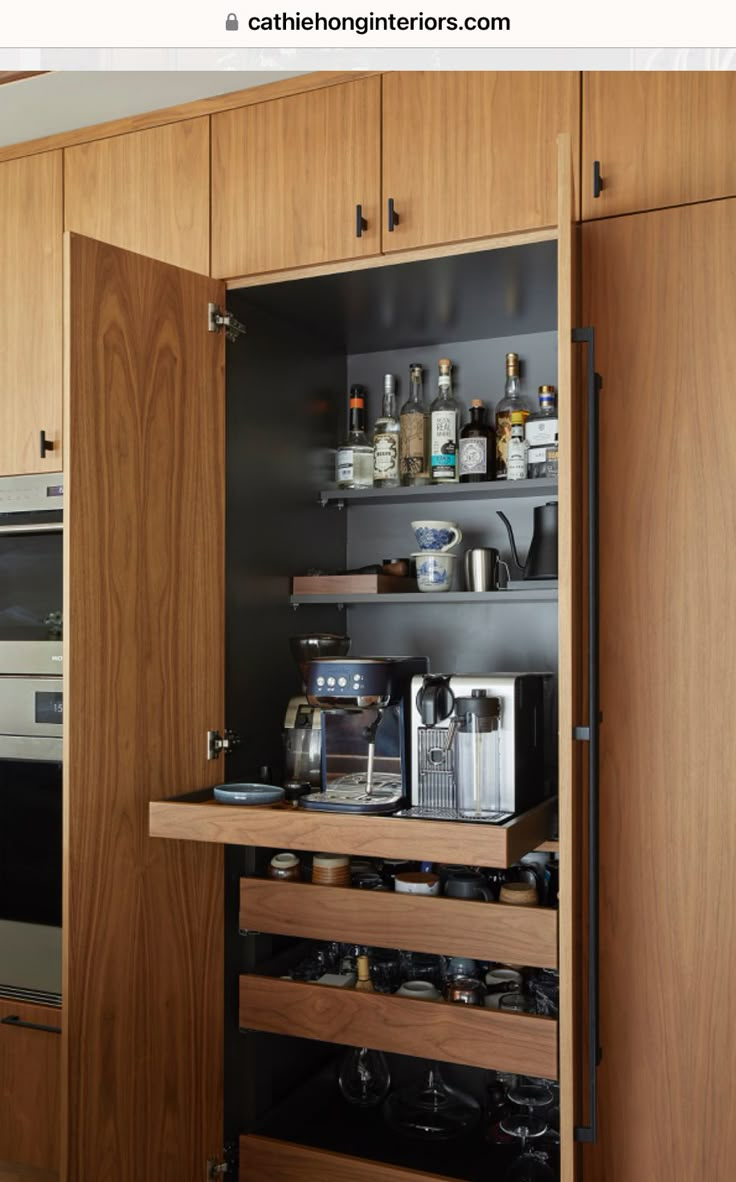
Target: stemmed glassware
column 431, row 1109
column 531, row 1165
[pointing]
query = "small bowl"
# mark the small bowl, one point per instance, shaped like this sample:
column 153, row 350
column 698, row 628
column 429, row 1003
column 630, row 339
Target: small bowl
column 436, row 535
column 435, row 572
column 248, row 793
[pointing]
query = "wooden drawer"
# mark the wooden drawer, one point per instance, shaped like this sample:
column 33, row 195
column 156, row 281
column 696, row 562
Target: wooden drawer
column 454, row 1033
column 30, row 1079
column 456, row 927
column 263, row 1159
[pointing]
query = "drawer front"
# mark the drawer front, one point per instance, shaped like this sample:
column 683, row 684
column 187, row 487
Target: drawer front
column 30, row 1078
column 262, row 1158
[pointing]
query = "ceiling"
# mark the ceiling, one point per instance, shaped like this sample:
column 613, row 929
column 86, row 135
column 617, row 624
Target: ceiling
column 44, row 104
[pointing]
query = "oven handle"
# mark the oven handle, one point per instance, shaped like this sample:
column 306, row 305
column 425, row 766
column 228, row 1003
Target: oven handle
column 15, row 1020
column 44, row 527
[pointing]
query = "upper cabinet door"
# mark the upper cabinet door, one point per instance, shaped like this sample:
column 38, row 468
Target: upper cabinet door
column 470, row 155
column 31, row 321
column 289, row 175
column 148, row 191
column 659, row 139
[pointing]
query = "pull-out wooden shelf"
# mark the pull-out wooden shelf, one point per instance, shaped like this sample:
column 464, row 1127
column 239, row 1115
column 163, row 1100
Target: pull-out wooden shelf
column 263, row 1159
column 198, row 817
column 454, row 1033
column 456, row 927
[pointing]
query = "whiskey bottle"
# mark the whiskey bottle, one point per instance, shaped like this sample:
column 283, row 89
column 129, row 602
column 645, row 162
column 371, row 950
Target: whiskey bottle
column 443, row 415
column 414, row 425
column 386, row 439
column 516, row 450
column 477, row 447
column 541, row 432
column 354, row 466
column 512, row 401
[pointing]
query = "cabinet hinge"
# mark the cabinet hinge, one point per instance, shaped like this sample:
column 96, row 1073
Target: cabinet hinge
column 217, row 742
column 215, row 1169
column 217, row 320
column 226, row 1163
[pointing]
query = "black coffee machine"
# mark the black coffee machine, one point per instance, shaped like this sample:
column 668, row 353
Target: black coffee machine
column 366, row 735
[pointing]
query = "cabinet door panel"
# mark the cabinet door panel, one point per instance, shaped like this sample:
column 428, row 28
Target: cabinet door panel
column 287, row 176
column 661, row 138
column 143, row 682
column 30, row 1075
column 660, row 289
column 147, row 191
column 470, row 155
column 30, row 326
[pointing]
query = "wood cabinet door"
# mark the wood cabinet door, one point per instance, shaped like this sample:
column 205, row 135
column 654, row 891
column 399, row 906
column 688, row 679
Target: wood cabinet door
column 142, row 1054
column 660, row 289
column 288, row 176
column 148, row 191
column 30, row 1077
column 31, row 322
column 470, row 155
column 661, row 138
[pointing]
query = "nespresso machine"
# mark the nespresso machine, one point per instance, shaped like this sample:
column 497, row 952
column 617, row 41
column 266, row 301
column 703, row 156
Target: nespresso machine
column 478, row 745
column 365, row 719
column 302, row 735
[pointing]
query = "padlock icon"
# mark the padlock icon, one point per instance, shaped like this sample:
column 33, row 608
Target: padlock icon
column 231, row 24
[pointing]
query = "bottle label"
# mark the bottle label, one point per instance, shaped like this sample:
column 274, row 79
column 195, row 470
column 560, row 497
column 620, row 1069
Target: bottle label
column 540, row 432
column 537, row 455
column 516, row 460
column 344, row 466
column 503, row 435
column 385, row 456
column 444, row 445
column 413, row 454
column 473, row 456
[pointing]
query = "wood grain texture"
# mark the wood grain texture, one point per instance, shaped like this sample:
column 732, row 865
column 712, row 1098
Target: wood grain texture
column 30, row 1089
column 143, row 681
column 468, row 154
column 264, row 1158
column 662, row 138
column 454, row 927
column 12, row 1172
column 31, row 323
column 473, row 1035
column 339, row 833
column 148, row 192
column 287, row 176
column 661, row 290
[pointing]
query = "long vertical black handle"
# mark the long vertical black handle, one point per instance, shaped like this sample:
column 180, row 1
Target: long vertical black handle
column 597, row 179
column 46, row 445
column 393, row 217
column 15, row 1020
column 590, row 734
column 360, row 222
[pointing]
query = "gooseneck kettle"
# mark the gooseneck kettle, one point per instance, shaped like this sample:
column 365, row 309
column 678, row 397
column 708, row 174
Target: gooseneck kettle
column 541, row 561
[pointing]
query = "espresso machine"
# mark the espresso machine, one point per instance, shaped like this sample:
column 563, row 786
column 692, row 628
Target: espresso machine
column 365, row 731
column 302, row 733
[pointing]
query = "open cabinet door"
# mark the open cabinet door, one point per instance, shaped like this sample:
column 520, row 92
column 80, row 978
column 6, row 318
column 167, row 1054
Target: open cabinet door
column 142, row 1053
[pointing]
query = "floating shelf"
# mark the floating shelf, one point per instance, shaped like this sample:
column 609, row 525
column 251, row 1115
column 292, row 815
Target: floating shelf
column 488, row 490
column 530, row 595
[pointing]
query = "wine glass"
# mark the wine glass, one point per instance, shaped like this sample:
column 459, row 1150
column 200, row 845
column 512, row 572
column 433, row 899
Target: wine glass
column 431, row 1109
column 531, row 1165
column 364, row 1077
column 531, row 1096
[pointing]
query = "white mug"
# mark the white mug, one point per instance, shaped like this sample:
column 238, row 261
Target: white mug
column 417, row 882
column 419, row 990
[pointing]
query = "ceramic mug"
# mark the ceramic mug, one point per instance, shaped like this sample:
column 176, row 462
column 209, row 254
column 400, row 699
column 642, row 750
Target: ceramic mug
column 419, row 990
column 436, row 535
column 435, row 572
column 468, row 886
column 417, row 882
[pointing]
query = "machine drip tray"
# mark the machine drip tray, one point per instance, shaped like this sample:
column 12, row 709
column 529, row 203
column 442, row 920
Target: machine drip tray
column 420, row 813
column 347, row 794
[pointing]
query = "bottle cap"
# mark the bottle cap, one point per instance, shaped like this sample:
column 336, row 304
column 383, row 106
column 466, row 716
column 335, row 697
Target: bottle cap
column 517, row 416
column 476, row 402
column 444, row 364
column 389, row 383
column 357, row 397
column 547, row 390
column 512, row 364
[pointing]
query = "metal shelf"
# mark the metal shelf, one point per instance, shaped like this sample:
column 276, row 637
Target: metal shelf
column 502, row 491
column 530, row 595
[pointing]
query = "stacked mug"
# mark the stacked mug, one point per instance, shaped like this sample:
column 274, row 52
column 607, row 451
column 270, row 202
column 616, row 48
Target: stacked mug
column 434, row 562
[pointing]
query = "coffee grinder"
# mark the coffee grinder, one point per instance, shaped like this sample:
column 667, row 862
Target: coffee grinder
column 366, row 736
column 302, row 735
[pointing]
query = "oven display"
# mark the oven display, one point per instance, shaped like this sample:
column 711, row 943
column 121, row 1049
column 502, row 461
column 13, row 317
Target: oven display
column 55, row 490
column 49, row 707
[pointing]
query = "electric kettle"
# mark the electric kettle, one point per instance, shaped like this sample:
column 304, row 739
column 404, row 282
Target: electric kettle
column 541, row 561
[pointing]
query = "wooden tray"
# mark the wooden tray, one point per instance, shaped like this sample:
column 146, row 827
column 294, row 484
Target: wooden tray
column 351, row 584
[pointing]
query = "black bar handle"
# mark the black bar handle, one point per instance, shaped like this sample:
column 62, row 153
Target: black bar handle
column 15, row 1020
column 46, row 445
column 393, row 217
column 360, row 222
column 590, row 734
column 597, row 179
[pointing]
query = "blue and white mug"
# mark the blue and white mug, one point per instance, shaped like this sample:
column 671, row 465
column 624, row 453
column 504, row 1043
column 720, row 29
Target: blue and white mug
column 435, row 571
column 436, row 536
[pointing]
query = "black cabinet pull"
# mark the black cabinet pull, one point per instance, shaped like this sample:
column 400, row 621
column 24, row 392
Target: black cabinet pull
column 393, row 217
column 590, row 734
column 46, row 445
column 360, row 222
column 597, row 179
column 15, row 1020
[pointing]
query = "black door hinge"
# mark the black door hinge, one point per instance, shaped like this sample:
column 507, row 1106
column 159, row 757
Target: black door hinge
column 217, row 320
column 218, row 743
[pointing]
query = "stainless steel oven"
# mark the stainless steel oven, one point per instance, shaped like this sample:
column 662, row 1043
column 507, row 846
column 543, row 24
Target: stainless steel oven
column 31, row 621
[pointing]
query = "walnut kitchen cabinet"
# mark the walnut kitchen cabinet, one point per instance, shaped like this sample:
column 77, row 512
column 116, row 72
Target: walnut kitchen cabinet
column 30, row 1084
column 146, row 191
column 656, row 139
column 296, row 181
column 469, row 155
column 31, row 321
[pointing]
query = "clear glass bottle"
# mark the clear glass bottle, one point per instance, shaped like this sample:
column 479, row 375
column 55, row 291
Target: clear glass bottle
column 386, row 439
column 512, row 400
column 541, row 432
column 516, row 452
column 414, row 428
column 444, row 414
column 476, row 452
column 477, row 746
column 354, row 461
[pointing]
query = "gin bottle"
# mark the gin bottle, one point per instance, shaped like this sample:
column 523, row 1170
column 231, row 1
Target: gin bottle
column 414, row 425
column 386, row 439
column 541, row 432
column 444, row 413
column 477, row 447
column 354, row 466
column 512, row 401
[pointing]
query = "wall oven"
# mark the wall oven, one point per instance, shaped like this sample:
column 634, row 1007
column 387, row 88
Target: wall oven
column 31, row 722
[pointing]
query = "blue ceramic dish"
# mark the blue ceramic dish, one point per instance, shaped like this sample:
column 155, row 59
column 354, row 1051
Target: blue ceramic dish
column 248, row 793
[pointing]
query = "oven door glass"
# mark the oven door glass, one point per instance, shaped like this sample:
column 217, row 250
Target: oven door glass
column 30, row 586
column 30, row 842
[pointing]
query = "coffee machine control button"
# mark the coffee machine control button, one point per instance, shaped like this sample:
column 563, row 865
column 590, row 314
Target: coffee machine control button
column 320, row 681
column 330, row 681
column 342, row 682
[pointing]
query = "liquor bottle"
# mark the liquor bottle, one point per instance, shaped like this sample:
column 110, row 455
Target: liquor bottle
column 443, row 414
column 477, row 447
column 414, row 423
column 354, row 467
column 386, row 439
column 541, row 431
column 512, row 400
column 516, row 450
